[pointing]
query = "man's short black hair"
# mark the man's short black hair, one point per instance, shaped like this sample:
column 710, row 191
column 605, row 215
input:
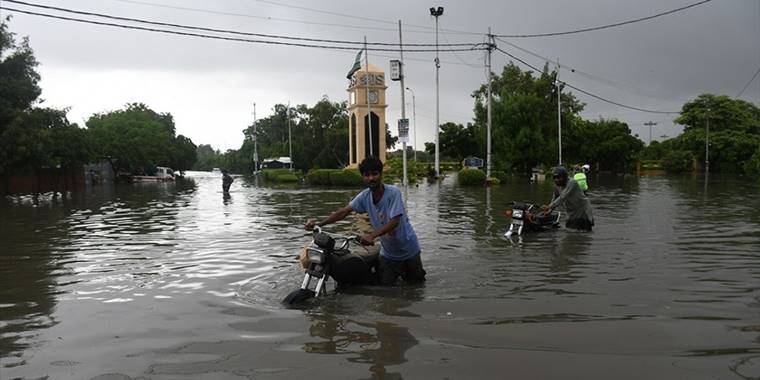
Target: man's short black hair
column 370, row 164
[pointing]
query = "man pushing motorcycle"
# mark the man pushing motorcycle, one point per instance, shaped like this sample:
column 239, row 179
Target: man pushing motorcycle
column 399, row 247
column 569, row 193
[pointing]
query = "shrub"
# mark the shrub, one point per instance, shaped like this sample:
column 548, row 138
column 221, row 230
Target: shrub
column 320, row 176
column 500, row 175
column 472, row 177
column 286, row 177
column 272, row 174
column 495, row 181
column 678, row 161
column 347, row 177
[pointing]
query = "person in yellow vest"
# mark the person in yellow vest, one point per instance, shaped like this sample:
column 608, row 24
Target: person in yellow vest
column 580, row 177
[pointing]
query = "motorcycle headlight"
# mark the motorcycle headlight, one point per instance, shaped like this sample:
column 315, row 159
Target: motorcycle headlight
column 517, row 213
column 316, row 256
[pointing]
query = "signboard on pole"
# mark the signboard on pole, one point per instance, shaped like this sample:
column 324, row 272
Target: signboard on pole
column 396, row 71
column 403, row 131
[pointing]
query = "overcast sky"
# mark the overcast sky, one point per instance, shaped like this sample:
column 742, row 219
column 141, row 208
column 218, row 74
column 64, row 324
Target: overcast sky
column 210, row 85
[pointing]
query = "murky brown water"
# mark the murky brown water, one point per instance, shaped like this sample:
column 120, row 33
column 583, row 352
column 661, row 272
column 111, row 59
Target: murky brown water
column 173, row 281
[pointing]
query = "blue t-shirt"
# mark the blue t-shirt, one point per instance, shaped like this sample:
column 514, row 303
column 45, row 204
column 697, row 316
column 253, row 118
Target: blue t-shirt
column 400, row 243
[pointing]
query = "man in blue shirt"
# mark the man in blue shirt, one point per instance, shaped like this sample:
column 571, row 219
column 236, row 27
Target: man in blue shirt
column 399, row 248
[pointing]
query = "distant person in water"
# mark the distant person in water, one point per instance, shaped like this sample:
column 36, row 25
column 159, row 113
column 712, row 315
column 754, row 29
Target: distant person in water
column 226, row 181
column 399, row 248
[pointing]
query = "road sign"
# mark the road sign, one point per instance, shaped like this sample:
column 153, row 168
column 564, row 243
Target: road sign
column 396, row 71
column 403, row 130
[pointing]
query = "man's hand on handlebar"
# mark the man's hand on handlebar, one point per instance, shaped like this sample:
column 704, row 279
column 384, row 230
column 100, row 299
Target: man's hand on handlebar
column 310, row 224
column 367, row 240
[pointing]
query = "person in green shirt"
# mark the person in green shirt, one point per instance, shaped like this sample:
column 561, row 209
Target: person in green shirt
column 580, row 177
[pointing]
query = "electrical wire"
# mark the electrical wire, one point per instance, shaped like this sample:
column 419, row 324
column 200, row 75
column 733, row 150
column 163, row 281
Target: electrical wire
column 594, row 28
column 472, row 48
column 67, row 10
column 748, row 83
column 574, row 70
column 588, row 93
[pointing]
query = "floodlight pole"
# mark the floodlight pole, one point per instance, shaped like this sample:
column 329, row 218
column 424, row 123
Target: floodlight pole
column 255, row 142
column 414, row 116
column 403, row 104
column 488, row 139
column 559, row 116
column 650, row 124
column 437, row 12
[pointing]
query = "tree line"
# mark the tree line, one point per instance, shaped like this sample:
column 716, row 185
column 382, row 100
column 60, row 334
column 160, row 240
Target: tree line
column 135, row 139
column 524, row 135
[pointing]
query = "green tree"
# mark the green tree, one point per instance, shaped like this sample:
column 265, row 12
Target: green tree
column 524, row 118
column 604, row 141
column 458, row 141
column 138, row 139
column 31, row 137
column 734, row 131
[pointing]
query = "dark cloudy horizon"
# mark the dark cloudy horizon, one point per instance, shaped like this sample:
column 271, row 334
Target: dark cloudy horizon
column 209, row 86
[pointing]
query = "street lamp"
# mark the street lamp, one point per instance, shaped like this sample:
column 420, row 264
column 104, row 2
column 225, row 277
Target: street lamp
column 436, row 12
column 707, row 142
column 414, row 124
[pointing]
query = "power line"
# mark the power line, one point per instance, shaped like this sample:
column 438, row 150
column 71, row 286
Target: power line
column 354, row 16
column 748, row 83
column 588, row 93
column 617, row 85
column 472, row 48
column 67, row 10
column 590, row 29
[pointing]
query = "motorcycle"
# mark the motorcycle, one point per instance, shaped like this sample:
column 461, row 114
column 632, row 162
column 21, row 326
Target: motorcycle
column 526, row 217
column 335, row 256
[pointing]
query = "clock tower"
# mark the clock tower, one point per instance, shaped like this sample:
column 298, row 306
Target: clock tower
column 366, row 115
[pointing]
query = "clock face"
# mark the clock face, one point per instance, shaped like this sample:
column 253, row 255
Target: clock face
column 373, row 97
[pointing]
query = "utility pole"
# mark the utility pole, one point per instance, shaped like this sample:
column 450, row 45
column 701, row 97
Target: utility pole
column 437, row 13
column 255, row 143
column 403, row 104
column 414, row 116
column 290, row 140
column 707, row 142
column 559, row 116
column 650, row 124
column 488, row 139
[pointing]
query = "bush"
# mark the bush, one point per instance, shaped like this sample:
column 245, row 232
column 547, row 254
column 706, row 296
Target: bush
column 272, row 174
column 495, row 181
column 678, row 161
column 347, row 177
column 472, row 177
column 320, row 176
column 500, row 175
column 287, row 177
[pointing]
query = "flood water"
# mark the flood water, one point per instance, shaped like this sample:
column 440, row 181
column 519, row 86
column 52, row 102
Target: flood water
column 176, row 281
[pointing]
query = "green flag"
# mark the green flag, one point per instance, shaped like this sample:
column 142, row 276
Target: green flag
column 357, row 65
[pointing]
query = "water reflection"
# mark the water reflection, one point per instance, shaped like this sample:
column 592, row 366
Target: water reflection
column 379, row 344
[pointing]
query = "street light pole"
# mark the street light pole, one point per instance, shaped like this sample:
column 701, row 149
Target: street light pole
column 403, row 102
column 650, row 124
column 488, row 139
column 559, row 116
column 414, row 116
column 290, row 140
column 255, row 143
column 707, row 142
column 437, row 12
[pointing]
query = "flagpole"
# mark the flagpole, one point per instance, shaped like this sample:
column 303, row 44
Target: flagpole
column 369, row 107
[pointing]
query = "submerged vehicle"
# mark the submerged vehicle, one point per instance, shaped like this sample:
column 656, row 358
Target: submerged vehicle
column 335, row 256
column 527, row 217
